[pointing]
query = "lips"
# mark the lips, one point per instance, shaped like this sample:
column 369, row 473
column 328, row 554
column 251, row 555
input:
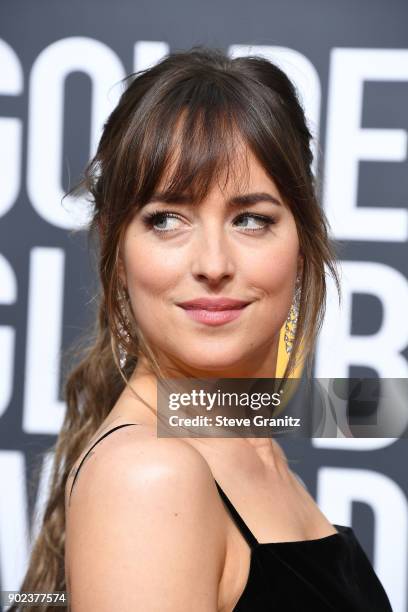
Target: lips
column 215, row 311
column 215, row 304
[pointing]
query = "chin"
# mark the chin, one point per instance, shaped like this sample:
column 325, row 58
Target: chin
column 217, row 363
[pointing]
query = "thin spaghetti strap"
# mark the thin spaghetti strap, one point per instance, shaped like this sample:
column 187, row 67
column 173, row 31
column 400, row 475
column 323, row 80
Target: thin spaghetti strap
column 242, row 526
column 98, row 440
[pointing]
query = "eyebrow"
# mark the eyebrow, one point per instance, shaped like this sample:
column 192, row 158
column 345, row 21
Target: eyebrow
column 247, row 199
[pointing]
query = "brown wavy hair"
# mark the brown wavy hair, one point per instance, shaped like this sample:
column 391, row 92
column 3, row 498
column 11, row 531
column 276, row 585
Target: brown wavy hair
column 219, row 99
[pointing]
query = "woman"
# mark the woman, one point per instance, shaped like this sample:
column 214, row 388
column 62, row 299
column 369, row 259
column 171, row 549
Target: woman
column 203, row 193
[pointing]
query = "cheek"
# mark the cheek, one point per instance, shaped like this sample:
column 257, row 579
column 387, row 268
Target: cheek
column 273, row 269
column 151, row 271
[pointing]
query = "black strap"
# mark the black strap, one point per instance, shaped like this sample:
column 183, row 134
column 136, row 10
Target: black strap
column 242, row 526
column 98, row 440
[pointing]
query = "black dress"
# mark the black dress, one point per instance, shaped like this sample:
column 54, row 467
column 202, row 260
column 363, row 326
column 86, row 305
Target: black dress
column 332, row 573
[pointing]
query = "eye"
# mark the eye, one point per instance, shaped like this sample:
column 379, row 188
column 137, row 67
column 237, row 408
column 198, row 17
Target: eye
column 263, row 219
column 153, row 219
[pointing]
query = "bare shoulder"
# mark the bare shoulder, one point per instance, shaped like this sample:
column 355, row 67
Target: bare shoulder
column 143, row 514
column 136, row 452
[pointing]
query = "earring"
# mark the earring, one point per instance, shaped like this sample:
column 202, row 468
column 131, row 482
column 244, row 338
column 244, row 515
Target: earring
column 291, row 321
column 123, row 299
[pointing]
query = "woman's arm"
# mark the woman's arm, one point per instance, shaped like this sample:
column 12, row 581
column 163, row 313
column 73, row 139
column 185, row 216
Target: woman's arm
column 142, row 532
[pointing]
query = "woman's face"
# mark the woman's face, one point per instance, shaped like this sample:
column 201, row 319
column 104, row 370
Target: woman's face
column 215, row 249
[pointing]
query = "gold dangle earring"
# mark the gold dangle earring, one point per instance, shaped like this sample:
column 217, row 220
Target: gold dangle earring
column 291, row 321
column 123, row 299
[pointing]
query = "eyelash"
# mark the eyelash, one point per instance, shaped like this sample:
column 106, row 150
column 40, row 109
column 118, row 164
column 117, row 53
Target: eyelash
column 149, row 219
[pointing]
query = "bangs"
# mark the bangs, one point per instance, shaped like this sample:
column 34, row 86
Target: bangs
column 192, row 139
column 184, row 133
column 194, row 129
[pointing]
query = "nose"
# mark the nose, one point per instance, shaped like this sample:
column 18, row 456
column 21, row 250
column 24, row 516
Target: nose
column 212, row 258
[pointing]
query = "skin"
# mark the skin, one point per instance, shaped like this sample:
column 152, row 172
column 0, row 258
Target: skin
column 171, row 498
column 212, row 252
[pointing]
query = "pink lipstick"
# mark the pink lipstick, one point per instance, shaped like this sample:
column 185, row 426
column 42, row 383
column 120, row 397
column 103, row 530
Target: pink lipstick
column 213, row 311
